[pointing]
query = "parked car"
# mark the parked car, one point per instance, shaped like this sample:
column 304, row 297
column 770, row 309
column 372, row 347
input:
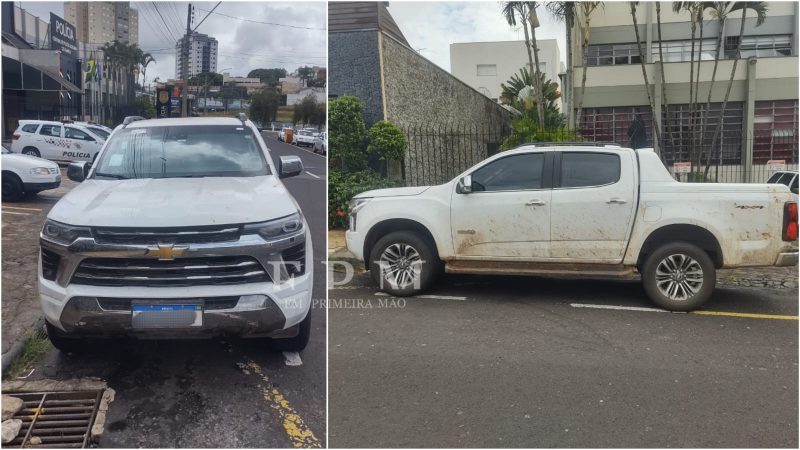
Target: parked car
column 283, row 132
column 56, row 141
column 25, row 174
column 786, row 178
column 321, row 143
column 182, row 228
column 303, row 138
column 575, row 210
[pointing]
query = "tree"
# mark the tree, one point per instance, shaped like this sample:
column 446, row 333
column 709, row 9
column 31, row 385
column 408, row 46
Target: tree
column 386, row 141
column 586, row 9
column 647, row 85
column 526, row 12
column 305, row 73
column 760, row 8
column 268, row 76
column 346, row 133
column 566, row 12
column 517, row 92
column 308, row 111
column 144, row 61
column 264, row 105
column 144, row 106
column 664, row 101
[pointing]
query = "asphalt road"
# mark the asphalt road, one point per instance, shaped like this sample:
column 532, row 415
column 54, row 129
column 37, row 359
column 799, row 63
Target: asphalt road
column 216, row 393
column 534, row 362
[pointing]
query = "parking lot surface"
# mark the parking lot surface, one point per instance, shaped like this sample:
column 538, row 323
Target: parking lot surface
column 204, row 393
column 536, row 362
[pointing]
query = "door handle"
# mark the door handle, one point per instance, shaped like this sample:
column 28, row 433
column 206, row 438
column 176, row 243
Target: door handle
column 535, row 203
column 616, row 200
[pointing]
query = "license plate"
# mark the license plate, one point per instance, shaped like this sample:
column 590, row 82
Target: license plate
column 158, row 315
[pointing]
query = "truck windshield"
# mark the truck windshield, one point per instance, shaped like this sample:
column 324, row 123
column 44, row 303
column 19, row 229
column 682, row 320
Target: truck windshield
column 182, row 152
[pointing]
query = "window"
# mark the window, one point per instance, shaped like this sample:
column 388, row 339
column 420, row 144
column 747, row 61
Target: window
column 72, row 133
column 583, row 169
column 616, row 54
column 774, row 131
column 485, row 70
column 30, row 128
column 677, row 51
column 50, row 130
column 512, row 173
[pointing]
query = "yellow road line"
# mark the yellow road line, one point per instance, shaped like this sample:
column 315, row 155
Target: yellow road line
column 747, row 315
column 23, row 209
column 300, row 434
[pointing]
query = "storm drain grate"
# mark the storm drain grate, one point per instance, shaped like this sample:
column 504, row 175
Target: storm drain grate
column 55, row 419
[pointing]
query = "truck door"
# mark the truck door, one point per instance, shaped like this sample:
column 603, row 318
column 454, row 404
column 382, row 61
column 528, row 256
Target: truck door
column 594, row 195
column 49, row 141
column 507, row 214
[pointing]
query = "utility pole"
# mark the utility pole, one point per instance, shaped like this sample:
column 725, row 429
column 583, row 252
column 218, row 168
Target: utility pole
column 185, row 63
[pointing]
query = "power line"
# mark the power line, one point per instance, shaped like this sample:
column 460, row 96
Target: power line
column 263, row 23
column 164, row 21
column 157, row 30
column 206, row 17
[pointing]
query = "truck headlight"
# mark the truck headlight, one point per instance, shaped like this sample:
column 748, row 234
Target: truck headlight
column 273, row 229
column 63, row 233
column 355, row 205
column 40, row 171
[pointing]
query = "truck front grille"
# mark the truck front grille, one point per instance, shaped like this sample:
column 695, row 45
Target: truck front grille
column 209, row 303
column 179, row 272
column 50, row 262
column 295, row 259
column 194, row 235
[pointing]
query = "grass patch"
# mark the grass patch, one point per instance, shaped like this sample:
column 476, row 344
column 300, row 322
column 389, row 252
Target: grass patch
column 33, row 349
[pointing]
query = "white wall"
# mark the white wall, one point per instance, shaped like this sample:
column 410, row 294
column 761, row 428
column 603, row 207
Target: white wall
column 293, row 99
column 508, row 57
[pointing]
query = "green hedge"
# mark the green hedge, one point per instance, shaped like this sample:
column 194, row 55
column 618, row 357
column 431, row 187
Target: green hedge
column 343, row 186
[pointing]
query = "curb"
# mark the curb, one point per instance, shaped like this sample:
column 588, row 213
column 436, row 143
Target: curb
column 16, row 348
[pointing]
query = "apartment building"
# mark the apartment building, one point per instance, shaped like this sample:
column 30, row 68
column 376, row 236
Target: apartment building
column 202, row 55
column 100, row 22
column 486, row 65
column 761, row 118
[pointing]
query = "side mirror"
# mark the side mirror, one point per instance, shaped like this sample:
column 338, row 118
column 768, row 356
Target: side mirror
column 290, row 166
column 464, row 185
column 77, row 171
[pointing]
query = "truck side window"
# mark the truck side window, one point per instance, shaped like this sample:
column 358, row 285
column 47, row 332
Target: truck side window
column 579, row 169
column 72, row 133
column 512, row 173
column 30, row 128
column 50, row 130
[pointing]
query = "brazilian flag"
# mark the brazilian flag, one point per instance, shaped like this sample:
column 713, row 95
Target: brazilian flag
column 91, row 68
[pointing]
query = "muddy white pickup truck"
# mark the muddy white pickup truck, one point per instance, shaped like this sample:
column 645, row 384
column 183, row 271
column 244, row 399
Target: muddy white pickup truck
column 574, row 210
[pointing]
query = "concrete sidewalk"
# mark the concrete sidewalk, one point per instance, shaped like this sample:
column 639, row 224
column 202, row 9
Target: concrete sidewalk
column 337, row 249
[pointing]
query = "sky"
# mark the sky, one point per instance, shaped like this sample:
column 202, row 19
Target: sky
column 430, row 27
column 243, row 46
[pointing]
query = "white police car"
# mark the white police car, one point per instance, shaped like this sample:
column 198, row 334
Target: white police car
column 56, row 141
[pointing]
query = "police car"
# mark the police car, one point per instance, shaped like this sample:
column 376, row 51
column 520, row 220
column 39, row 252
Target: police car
column 56, row 141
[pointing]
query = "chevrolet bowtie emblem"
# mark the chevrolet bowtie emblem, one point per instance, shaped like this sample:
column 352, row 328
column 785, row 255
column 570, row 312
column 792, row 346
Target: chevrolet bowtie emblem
column 166, row 252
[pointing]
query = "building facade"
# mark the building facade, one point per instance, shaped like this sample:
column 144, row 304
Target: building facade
column 102, row 22
column 202, row 51
column 485, row 65
column 760, row 120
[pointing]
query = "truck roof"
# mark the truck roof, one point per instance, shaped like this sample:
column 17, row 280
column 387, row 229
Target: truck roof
column 185, row 121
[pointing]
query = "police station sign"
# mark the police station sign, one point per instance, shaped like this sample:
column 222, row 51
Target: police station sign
column 63, row 36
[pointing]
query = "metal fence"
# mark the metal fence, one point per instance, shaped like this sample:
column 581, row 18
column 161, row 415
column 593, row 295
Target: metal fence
column 437, row 154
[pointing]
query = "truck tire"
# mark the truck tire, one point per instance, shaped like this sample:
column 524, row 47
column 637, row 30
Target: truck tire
column 402, row 263
column 297, row 343
column 59, row 341
column 12, row 187
column 32, row 151
column 679, row 276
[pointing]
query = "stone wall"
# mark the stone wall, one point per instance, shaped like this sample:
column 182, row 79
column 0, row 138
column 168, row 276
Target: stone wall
column 450, row 125
column 354, row 69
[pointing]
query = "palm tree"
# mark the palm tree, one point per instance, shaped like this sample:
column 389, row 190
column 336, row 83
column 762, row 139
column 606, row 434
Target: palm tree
column 526, row 11
column 667, row 118
column 586, row 10
column 566, row 12
column 692, row 8
column 644, row 74
column 721, row 11
column 144, row 61
column 760, row 8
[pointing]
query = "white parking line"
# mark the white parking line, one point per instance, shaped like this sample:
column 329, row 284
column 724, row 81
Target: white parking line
column 315, row 176
column 625, row 308
column 292, row 359
column 435, row 297
column 17, row 213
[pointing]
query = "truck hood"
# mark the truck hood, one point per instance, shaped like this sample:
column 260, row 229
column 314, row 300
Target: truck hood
column 394, row 192
column 174, row 202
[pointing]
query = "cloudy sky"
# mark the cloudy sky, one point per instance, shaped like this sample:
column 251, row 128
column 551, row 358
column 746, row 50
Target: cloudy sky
column 430, row 27
column 298, row 39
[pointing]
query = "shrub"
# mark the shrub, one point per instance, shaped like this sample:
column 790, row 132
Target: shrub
column 346, row 133
column 342, row 186
column 386, row 141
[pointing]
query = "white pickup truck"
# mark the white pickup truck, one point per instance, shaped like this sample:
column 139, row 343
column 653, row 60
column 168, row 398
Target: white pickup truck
column 574, row 210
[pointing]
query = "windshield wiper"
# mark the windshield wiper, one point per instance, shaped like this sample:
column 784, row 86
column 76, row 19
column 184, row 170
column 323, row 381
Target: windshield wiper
column 111, row 175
